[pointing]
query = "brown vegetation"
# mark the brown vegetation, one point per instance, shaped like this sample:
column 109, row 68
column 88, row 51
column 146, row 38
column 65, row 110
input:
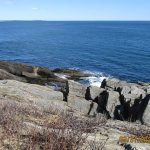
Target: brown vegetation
column 26, row 127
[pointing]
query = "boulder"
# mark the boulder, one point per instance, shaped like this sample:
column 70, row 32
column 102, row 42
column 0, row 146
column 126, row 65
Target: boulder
column 29, row 93
column 134, row 94
column 126, row 90
column 140, row 110
column 137, row 91
column 112, row 83
column 92, row 92
column 76, row 89
column 146, row 108
column 115, row 83
column 76, row 99
column 82, row 105
column 113, row 101
column 148, row 90
column 131, row 97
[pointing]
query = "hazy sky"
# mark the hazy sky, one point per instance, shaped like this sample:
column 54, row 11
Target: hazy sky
column 74, row 9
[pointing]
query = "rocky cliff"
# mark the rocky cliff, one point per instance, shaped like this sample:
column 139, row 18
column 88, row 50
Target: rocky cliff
column 124, row 106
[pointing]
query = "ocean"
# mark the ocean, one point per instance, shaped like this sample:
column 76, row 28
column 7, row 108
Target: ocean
column 119, row 49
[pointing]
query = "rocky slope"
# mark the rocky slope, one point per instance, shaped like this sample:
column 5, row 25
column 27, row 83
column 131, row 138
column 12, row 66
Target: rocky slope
column 125, row 106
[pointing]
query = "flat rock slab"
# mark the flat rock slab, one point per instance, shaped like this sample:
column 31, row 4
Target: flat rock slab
column 113, row 101
column 93, row 92
column 82, row 105
column 31, row 93
column 76, row 89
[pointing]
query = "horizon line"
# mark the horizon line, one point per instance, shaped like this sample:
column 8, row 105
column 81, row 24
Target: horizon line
column 70, row 20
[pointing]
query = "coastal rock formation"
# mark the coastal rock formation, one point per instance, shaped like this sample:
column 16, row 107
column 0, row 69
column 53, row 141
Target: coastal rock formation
column 113, row 101
column 6, row 75
column 117, row 99
column 122, row 105
column 148, row 90
column 39, row 75
column 113, row 83
column 15, row 68
column 146, row 110
column 70, row 73
column 76, row 99
column 134, row 101
column 92, row 92
column 76, row 89
column 138, row 91
column 27, row 93
column 83, row 106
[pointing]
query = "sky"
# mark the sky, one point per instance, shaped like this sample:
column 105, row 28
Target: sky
column 74, row 9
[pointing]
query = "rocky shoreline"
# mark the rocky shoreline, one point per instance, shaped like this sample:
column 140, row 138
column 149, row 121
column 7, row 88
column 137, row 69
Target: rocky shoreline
column 118, row 101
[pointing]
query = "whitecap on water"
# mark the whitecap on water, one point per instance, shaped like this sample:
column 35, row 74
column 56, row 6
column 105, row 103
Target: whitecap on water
column 62, row 76
column 95, row 79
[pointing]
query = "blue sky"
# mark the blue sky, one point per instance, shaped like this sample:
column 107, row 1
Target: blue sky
column 74, row 9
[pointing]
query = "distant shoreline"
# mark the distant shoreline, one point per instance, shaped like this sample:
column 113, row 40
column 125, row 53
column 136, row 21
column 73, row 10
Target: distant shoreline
column 75, row 20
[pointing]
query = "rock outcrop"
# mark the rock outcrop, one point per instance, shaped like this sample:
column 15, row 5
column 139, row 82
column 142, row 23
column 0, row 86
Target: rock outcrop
column 113, row 101
column 92, row 92
column 145, row 110
column 76, row 89
column 119, row 101
column 15, row 68
column 71, row 74
column 134, row 100
column 81, row 105
column 40, row 75
column 76, row 99
column 27, row 93
column 6, row 75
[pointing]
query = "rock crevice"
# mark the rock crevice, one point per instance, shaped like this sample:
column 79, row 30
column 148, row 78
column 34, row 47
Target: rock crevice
column 115, row 98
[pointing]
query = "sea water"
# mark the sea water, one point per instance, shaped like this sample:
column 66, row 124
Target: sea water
column 103, row 48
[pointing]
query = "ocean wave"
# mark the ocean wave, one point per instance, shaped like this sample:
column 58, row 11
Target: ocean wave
column 95, row 79
column 62, row 76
